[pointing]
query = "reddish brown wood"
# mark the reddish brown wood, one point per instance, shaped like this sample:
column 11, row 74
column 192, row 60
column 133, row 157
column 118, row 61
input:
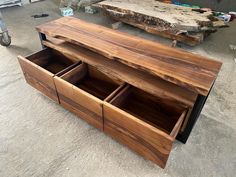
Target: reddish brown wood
column 146, row 115
column 134, row 118
column 142, row 80
column 39, row 78
column 40, row 68
column 187, row 70
column 82, row 91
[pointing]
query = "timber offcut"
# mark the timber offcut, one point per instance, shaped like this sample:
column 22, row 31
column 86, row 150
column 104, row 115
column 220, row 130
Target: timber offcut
column 179, row 23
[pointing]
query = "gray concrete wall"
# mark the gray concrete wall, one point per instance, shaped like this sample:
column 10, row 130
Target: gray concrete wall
column 219, row 5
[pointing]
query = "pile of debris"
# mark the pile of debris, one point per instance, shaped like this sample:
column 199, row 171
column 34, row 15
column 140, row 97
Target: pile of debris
column 185, row 24
column 76, row 4
column 67, row 7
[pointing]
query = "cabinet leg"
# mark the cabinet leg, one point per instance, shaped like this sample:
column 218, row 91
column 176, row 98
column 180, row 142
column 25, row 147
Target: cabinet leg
column 183, row 137
column 42, row 37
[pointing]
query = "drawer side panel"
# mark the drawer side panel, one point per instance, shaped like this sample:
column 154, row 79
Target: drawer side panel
column 39, row 78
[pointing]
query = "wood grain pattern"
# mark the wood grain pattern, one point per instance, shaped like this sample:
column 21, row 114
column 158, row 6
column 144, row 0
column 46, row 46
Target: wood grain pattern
column 191, row 40
column 80, row 102
column 187, row 70
column 179, row 23
column 153, row 110
column 142, row 80
column 39, row 78
column 140, row 124
column 82, row 91
column 39, row 69
column 165, row 17
column 141, row 137
column 82, row 112
column 86, row 75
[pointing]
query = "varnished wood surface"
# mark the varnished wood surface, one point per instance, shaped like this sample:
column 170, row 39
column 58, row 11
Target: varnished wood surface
column 140, row 121
column 40, row 67
column 96, row 83
column 150, row 109
column 142, row 80
column 138, row 144
column 138, row 135
column 82, row 91
column 38, row 77
column 99, row 88
column 80, row 102
column 187, row 70
column 82, row 112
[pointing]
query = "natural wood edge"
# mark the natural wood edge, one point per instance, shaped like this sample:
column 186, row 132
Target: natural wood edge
column 186, row 82
column 188, row 100
column 189, row 40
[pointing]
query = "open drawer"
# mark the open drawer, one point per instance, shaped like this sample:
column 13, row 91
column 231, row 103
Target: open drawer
column 40, row 68
column 145, row 123
column 83, row 89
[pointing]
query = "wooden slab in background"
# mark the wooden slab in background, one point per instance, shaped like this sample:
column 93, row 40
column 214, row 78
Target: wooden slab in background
column 169, row 17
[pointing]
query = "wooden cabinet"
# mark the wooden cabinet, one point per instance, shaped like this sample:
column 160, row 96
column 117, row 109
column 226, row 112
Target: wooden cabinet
column 141, row 93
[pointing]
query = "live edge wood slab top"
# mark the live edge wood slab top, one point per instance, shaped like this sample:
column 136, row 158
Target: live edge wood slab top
column 193, row 72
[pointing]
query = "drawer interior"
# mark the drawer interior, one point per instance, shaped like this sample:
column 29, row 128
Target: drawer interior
column 91, row 80
column 148, row 108
column 50, row 60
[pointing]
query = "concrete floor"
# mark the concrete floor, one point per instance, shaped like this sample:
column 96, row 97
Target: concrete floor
column 39, row 138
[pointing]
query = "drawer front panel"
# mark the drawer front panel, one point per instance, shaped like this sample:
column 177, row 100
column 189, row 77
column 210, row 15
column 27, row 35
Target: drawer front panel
column 141, row 137
column 80, row 102
column 39, row 78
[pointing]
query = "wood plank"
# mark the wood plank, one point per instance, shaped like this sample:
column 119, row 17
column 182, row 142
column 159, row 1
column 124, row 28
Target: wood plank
column 187, row 70
column 169, row 17
column 132, row 76
column 192, row 40
column 142, row 45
